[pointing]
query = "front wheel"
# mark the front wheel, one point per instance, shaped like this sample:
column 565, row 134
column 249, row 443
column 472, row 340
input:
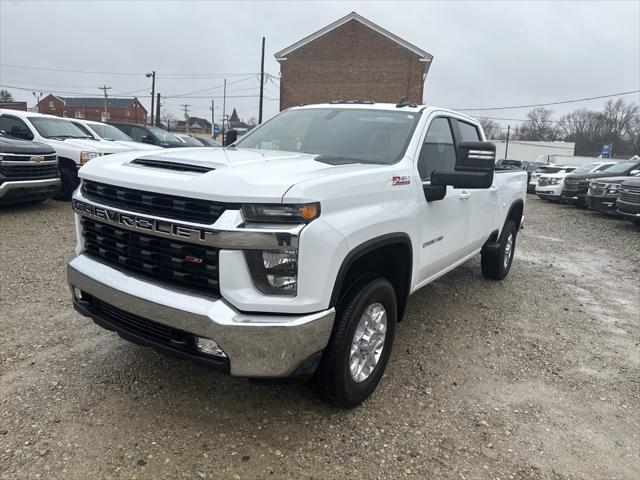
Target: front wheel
column 68, row 183
column 497, row 263
column 357, row 354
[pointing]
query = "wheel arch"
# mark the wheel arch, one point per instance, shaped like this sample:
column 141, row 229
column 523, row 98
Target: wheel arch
column 65, row 162
column 390, row 256
column 516, row 212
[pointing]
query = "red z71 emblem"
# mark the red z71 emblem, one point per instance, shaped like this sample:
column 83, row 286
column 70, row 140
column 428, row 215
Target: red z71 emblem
column 191, row 259
column 403, row 180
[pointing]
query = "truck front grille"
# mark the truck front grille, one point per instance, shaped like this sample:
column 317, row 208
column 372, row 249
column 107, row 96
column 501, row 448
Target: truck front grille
column 543, row 182
column 630, row 194
column 157, row 204
column 177, row 263
column 29, row 171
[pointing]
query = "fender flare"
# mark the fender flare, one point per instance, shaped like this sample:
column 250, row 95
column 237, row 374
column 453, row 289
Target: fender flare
column 365, row 248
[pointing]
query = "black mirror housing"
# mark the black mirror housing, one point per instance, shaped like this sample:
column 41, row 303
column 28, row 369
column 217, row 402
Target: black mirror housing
column 230, row 137
column 475, row 165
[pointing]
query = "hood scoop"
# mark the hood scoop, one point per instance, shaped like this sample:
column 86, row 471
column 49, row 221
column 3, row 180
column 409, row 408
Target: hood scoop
column 175, row 164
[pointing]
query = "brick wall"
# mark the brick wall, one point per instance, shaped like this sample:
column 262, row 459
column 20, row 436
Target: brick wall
column 352, row 61
column 52, row 105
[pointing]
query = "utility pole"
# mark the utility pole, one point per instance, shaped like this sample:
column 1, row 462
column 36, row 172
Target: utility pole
column 224, row 108
column 261, row 83
column 186, row 117
column 152, row 75
column 213, row 119
column 105, row 88
column 506, row 147
column 157, row 111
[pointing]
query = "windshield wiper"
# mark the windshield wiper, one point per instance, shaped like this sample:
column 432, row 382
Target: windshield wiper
column 340, row 160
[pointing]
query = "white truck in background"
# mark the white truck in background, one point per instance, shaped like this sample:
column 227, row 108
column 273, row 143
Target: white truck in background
column 292, row 253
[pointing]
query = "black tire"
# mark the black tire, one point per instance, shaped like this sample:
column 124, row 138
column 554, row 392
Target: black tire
column 332, row 380
column 493, row 262
column 68, row 183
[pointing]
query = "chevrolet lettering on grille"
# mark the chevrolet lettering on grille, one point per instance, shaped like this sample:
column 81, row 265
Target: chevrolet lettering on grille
column 141, row 223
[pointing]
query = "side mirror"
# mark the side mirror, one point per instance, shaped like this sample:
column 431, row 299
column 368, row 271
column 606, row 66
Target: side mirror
column 634, row 172
column 230, row 137
column 475, row 165
column 147, row 139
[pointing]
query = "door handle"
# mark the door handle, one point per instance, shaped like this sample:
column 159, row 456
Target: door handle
column 464, row 195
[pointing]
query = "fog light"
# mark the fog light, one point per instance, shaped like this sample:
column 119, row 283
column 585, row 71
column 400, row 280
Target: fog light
column 78, row 294
column 208, row 346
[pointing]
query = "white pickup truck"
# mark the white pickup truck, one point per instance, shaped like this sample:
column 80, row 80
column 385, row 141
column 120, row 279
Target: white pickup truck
column 73, row 146
column 292, row 252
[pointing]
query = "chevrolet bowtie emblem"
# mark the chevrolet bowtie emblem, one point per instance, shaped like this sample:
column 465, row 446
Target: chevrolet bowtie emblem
column 37, row 158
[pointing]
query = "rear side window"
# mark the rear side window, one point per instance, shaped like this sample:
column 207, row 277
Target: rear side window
column 15, row 127
column 124, row 128
column 137, row 133
column 468, row 132
column 438, row 151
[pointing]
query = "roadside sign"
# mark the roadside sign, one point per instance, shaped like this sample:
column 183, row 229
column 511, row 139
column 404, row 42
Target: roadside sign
column 216, row 128
column 606, row 150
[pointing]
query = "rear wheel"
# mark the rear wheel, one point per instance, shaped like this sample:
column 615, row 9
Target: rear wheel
column 68, row 183
column 497, row 263
column 358, row 352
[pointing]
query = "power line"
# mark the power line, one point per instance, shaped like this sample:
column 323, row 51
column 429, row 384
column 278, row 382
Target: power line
column 549, row 103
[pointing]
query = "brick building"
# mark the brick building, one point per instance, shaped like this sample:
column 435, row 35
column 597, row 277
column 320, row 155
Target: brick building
column 352, row 58
column 196, row 125
column 128, row 110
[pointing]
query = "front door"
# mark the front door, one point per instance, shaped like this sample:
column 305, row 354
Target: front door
column 444, row 223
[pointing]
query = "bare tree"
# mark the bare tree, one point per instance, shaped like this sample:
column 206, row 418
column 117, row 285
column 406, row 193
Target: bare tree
column 580, row 124
column 616, row 117
column 6, row 96
column 632, row 133
column 169, row 119
column 539, row 125
column 490, row 127
column 252, row 122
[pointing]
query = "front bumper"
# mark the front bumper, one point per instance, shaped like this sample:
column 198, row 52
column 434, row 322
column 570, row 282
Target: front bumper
column 257, row 345
column 630, row 210
column 15, row 191
column 602, row 204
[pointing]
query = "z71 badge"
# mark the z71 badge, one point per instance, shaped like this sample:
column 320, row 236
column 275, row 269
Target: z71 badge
column 404, row 180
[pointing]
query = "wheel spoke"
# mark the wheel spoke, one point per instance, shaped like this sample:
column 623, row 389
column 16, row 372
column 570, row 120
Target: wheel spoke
column 368, row 342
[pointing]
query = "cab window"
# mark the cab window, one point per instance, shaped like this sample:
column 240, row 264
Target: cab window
column 15, row 127
column 468, row 132
column 438, row 150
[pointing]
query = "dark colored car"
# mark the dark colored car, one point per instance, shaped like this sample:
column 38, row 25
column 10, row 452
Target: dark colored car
column 628, row 202
column 28, row 171
column 603, row 193
column 208, row 142
column 150, row 134
column 576, row 185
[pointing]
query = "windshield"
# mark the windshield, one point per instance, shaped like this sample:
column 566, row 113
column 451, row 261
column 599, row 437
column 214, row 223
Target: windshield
column 619, row 167
column 109, row 132
column 190, row 140
column 163, row 135
column 361, row 135
column 586, row 168
column 534, row 166
column 57, row 128
column 549, row 169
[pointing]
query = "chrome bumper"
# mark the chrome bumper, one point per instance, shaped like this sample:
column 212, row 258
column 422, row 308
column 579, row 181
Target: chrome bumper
column 9, row 185
column 257, row 345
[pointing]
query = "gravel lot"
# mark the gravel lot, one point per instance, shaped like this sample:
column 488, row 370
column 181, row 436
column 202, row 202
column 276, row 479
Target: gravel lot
column 536, row 377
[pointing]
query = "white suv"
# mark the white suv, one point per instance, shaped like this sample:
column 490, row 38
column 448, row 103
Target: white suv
column 73, row 146
column 108, row 133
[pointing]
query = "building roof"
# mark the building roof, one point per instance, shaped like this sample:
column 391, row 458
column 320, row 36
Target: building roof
column 98, row 102
column 281, row 55
column 200, row 122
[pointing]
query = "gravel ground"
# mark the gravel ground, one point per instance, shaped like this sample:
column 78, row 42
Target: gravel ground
column 536, row 377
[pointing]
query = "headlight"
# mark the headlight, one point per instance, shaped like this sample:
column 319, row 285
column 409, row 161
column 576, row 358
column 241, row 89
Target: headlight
column 613, row 188
column 274, row 273
column 86, row 156
column 554, row 181
column 277, row 213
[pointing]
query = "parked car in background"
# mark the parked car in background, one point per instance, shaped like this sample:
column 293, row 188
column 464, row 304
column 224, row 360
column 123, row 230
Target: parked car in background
column 188, row 140
column 72, row 145
column 576, row 185
column 28, row 171
column 149, row 134
column 546, row 169
column 108, row 133
column 628, row 202
column 603, row 193
column 550, row 185
column 208, row 142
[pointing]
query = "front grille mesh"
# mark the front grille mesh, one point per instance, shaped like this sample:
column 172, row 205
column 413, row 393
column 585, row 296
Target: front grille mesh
column 29, row 170
column 630, row 194
column 178, row 263
column 157, row 204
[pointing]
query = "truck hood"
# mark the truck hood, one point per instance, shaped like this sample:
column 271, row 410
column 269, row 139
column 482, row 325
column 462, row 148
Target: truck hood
column 23, row 147
column 80, row 144
column 235, row 175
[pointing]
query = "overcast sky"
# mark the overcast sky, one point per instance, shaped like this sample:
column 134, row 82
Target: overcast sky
column 486, row 54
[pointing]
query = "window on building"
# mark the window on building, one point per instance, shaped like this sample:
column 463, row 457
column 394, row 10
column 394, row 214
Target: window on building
column 438, row 151
column 51, row 104
column 15, row 127
column 79, row 114
column 127, row 113
column 64, row 113
column 469, row 132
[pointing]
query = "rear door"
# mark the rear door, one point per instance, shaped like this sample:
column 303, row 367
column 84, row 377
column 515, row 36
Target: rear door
column 483, row 202
column 443, row 223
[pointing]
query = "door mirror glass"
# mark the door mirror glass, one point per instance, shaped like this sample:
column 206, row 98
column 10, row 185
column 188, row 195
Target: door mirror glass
column 475, row 164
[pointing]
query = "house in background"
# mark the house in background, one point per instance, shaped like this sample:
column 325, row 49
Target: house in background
column 14, row 106
column 237, row 124
column 196, row 126
column 352, row 58
column 128, row 110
